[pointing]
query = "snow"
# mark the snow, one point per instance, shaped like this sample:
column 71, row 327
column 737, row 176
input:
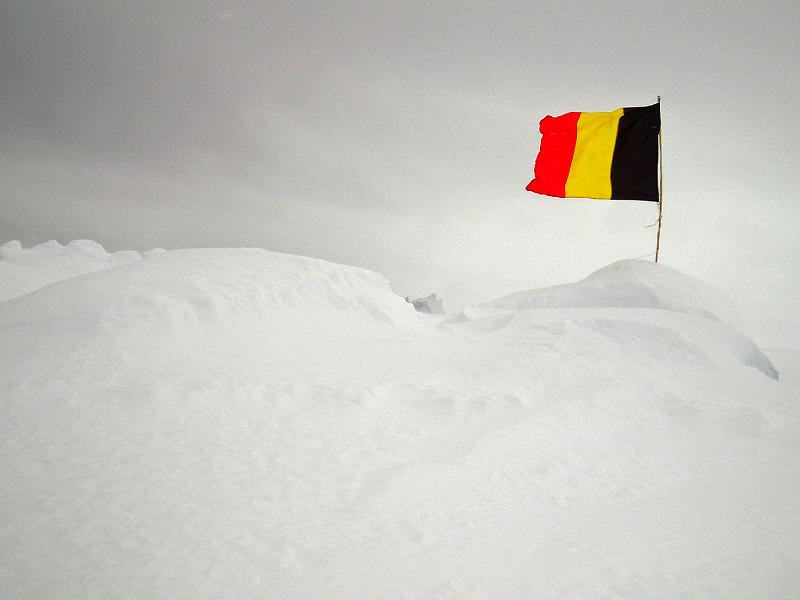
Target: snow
column 240, row 423
column 23, row 270
column 632, row 284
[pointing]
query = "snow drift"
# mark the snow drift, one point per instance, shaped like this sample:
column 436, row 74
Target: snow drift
column 23, row 270
column 241, row 423
column 629, row 284
column 651, row 296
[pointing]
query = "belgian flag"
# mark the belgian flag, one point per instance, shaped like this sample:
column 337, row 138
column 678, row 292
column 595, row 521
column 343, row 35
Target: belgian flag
column 606, row 155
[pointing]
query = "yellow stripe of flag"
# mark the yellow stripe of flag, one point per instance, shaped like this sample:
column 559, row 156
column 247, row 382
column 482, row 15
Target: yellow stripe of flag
column 590, row 171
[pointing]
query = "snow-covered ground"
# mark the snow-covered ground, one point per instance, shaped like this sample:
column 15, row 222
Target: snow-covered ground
column 23, row 270
column 236, row 423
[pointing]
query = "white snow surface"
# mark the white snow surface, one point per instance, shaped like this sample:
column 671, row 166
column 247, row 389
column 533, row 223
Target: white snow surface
column 23, row 270
column 237, row 423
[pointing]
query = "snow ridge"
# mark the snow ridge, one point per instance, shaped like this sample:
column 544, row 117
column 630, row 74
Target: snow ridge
column 627, row 297
column 23, row 270
column 630, row 284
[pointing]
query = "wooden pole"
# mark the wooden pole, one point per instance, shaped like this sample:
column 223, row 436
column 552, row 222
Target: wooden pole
column 660, row 184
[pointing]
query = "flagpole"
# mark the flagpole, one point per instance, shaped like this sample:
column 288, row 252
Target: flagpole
column 660, row 182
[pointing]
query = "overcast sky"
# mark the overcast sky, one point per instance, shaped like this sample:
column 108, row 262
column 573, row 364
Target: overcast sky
column 400, row 136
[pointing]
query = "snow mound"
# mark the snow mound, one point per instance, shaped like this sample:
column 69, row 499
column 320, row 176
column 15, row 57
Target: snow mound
column 634, row 302
column 214, row 286
column 181, row 300
column 23, row 270
column 628, row 284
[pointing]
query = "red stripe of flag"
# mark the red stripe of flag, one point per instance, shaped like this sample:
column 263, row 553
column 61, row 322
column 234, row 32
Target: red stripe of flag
column 555, row 154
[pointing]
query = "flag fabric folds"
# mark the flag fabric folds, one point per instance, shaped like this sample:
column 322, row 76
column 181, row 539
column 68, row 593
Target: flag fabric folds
column 607, row 155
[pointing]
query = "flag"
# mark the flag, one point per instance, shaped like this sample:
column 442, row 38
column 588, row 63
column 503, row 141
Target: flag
column 606, row 155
